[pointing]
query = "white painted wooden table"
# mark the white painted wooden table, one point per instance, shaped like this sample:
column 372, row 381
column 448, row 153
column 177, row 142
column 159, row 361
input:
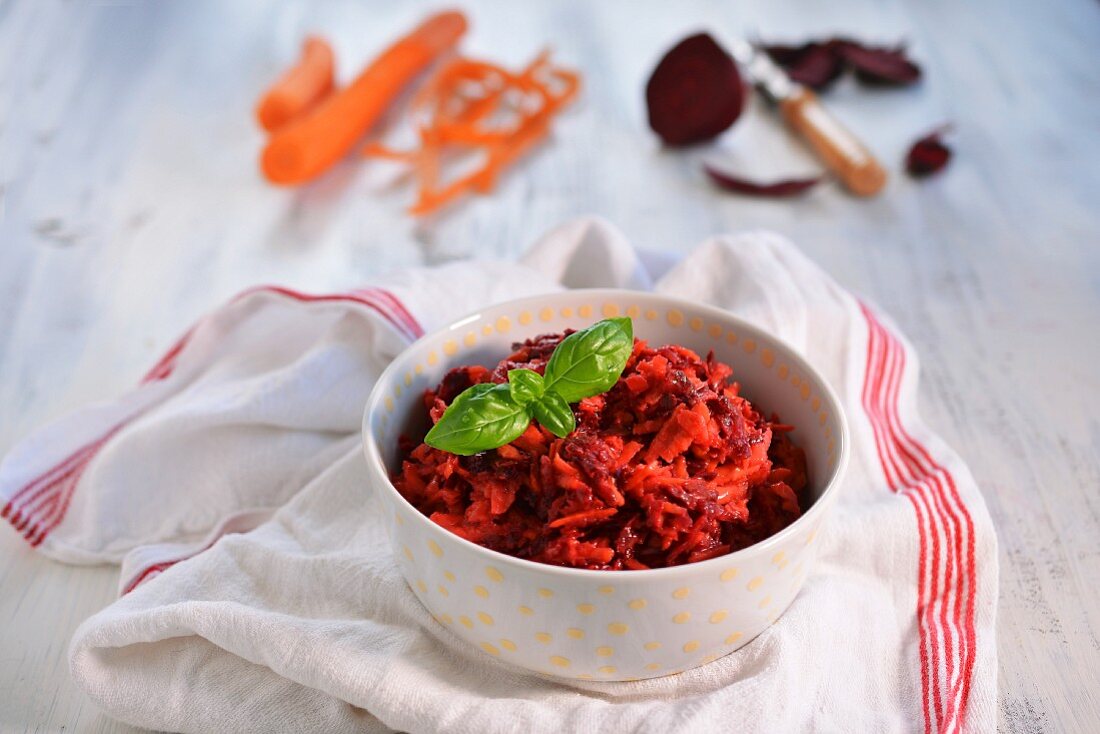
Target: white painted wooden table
column 130, row 203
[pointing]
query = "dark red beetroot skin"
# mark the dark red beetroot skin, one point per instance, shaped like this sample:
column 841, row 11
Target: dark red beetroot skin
column 670, row 466
column 928, row 155
column 817, row 64
column 695, row 92
column 879, row 64
column 777, row 189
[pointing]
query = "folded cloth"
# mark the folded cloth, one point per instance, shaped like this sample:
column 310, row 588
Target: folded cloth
column 258, row 589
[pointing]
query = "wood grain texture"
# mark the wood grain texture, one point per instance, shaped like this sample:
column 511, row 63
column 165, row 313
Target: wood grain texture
column 130, row 204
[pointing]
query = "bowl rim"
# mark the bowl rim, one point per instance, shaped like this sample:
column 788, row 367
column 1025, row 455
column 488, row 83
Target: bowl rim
column 377, row 467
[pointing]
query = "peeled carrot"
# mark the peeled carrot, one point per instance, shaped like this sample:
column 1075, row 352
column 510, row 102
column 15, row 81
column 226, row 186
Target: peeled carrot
column 307, row 147
column 300, row 88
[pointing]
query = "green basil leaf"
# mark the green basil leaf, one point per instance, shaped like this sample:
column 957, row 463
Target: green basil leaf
column 526, row 385
column 589, row 361
column 488, row 415
column 482, row 417
column 554, row 414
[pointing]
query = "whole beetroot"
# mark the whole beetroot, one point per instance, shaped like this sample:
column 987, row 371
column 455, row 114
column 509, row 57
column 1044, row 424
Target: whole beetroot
column 695, row 92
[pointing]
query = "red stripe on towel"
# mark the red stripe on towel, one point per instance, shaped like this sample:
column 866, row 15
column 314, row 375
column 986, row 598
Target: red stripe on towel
column 910, row 470
column 153, row 569
column 41, row 504
column 148, row 573
column 375, row 298
column 402, row 312
column 167, row 363
column 378, row 299
column 961, row 572
column 872, row 392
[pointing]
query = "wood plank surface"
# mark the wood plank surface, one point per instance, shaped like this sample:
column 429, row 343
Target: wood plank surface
column 130, row 204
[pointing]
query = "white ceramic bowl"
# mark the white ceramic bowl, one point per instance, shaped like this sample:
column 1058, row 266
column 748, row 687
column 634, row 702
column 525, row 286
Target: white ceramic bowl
column 606, row 625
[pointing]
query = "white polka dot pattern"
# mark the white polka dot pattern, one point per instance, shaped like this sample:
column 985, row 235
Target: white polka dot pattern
column 520, row 615
column 608, row 626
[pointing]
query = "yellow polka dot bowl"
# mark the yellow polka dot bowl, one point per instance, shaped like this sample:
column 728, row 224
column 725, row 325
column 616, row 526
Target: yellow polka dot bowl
column 606, row 625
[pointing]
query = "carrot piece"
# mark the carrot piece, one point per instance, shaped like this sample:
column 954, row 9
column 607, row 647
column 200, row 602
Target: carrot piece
column 476, row 106
column 300, row 88
column 534, row 130
column 308, row 147
column 583, row 518
column 378, row 150
column 504, row 157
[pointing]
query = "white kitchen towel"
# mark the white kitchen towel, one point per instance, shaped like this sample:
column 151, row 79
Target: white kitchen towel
column 304, row 623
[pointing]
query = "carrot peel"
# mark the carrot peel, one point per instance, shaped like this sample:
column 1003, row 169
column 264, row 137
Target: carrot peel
column 477, row 108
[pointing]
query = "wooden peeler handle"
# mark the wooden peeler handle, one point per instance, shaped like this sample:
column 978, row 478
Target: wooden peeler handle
column 841, row 151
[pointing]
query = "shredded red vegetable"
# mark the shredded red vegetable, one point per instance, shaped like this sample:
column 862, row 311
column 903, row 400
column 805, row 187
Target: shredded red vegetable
column 929, row 154
column 777, row 189
column 670, row 466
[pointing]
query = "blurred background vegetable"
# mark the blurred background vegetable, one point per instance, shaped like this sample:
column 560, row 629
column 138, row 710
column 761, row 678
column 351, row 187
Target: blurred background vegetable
column 476, row 109
column 695, row 92
column 300, row 88
column 309, row 146
column 929, row 154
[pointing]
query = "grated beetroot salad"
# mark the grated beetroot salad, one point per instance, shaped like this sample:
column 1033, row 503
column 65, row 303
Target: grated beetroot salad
column 670, row 466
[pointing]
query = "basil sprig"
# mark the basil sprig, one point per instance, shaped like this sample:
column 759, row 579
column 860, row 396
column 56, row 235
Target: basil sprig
column 488, row 415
